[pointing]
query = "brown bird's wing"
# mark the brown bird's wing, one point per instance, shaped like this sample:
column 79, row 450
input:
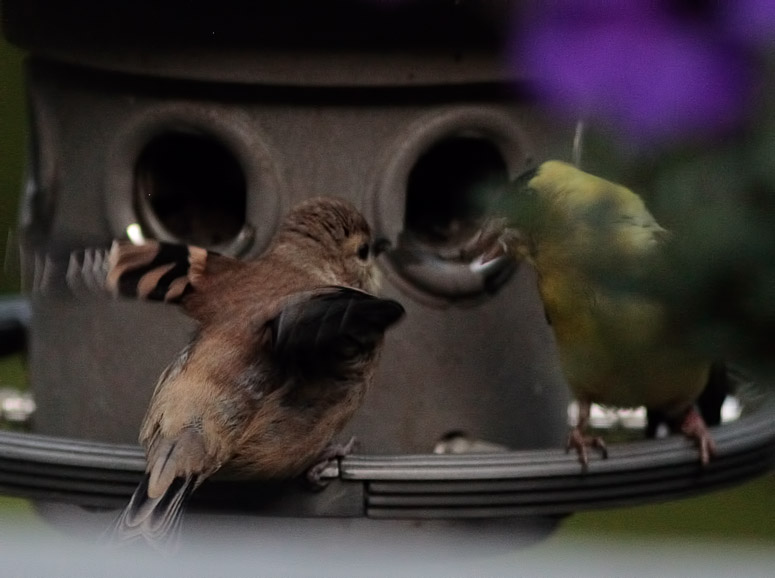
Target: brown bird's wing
column 162, row 271
column 320, row 330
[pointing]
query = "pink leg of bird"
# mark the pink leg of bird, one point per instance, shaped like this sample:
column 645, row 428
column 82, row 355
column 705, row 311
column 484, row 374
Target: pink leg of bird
column 330, row 454
column 578, row 439
column 693, row 426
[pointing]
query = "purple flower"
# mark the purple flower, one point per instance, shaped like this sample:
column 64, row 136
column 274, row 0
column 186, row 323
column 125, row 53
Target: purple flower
column 651, row 70
column 751, row 21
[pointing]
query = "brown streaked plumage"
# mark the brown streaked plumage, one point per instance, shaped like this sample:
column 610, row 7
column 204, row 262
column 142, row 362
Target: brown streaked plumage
column 285, row 350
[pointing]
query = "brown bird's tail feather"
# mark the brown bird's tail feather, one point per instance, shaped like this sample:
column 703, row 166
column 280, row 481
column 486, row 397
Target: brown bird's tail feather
column 154, row 270
column 155, row 521
column 160, row 271
column 77, row 273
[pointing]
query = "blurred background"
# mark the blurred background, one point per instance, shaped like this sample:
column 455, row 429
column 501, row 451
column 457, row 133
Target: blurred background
column 743, row 516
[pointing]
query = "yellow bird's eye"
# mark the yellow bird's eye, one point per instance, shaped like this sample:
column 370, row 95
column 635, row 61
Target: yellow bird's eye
column 363, row 251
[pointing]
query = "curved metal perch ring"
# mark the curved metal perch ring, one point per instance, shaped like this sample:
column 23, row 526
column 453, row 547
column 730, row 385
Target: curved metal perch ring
column 506, row 484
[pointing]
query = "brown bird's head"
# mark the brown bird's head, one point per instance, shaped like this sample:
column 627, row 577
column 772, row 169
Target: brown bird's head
column 329, row 233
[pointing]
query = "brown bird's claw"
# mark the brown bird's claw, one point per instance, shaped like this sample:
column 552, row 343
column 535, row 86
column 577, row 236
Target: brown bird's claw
column 693, row 427
column 580, row 442
column 328, row 458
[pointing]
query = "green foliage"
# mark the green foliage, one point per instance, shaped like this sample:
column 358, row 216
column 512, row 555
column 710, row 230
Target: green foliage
column 13, row 372
column 12, row 131
column 743, row 513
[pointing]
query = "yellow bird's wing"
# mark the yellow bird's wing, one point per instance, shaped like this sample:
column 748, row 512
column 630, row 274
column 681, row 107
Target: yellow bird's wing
column 594, row 241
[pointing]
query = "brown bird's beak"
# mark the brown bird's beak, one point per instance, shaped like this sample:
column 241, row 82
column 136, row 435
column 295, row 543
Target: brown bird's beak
column 380, row 245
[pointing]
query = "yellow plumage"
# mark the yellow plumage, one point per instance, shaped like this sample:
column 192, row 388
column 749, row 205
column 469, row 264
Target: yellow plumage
column 590, row 240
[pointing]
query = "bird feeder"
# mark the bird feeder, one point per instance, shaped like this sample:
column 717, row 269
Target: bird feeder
column 172, row 122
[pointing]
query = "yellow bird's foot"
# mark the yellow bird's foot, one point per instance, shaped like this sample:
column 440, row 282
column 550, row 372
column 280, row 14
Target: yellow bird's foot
column 580, row 442
column 693, row 427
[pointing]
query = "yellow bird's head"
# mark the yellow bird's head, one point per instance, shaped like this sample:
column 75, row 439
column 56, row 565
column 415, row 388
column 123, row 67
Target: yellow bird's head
column 561, row 212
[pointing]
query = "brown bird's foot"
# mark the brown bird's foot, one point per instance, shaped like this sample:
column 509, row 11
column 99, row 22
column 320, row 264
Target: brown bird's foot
column 328, row 458
column 693, row 427
column 580, row 442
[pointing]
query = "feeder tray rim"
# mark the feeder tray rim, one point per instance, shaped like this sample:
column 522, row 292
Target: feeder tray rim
column 541, row 482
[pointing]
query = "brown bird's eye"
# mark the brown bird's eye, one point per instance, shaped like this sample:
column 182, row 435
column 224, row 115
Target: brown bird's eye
column 363, row 251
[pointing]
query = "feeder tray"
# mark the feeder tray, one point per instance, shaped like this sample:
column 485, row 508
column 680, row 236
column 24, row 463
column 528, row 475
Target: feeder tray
column 535, row 483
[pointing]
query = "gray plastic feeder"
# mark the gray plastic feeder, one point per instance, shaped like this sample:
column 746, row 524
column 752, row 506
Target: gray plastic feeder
column 205, row 127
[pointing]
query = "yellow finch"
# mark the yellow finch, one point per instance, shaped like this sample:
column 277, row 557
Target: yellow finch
column 590, row 241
